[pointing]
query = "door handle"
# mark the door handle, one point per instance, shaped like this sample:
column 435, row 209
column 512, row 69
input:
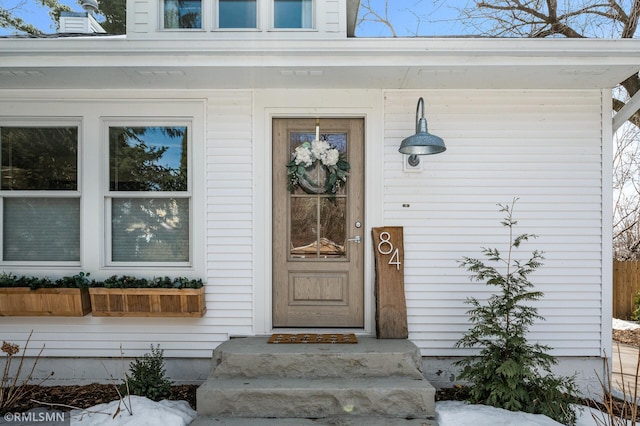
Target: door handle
column 356, row 239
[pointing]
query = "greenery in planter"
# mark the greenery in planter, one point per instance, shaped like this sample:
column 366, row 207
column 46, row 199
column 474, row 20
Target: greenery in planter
column 126, row 281
column 510, row 372
column 147, row 377
column 80, row 280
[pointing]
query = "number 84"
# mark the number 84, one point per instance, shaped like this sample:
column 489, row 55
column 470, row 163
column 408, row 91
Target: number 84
column 385, row 243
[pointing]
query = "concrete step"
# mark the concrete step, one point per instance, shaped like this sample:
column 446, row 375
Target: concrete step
column 394, row 396
column 256, row 383
column 370, row 357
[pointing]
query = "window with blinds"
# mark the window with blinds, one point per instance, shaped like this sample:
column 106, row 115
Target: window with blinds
column 39, row 191
column 148, row 197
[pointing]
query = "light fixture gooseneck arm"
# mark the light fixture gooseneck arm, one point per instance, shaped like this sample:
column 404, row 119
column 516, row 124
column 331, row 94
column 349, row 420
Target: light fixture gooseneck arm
column 420, row 102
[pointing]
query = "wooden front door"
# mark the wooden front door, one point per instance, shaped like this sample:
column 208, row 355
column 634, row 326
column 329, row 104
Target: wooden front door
column 318, row 267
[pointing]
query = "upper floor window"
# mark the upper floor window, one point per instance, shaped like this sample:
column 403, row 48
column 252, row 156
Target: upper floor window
column 237, row 14
column 181, row 14
column 39, row 190
column 293, row 14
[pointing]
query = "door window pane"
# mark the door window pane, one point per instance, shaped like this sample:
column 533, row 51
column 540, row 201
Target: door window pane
column 39, row 158
column 293, row 13
column 317, row 218
column 237, row 13
column 180, row 14
column 333, row 213
column 148, row 158
column 304, row 226
column 41, row 229
column 150, row 230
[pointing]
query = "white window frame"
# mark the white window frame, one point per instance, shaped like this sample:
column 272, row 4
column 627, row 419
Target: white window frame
column 45, row 122
column 110, row 195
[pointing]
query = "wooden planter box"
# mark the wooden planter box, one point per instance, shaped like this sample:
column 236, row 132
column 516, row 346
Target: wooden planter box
column 64, row 302
column 147, row 302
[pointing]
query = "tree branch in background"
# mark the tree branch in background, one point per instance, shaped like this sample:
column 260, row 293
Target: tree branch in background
column 113, row 11
column 370, row 14
column 9, row 21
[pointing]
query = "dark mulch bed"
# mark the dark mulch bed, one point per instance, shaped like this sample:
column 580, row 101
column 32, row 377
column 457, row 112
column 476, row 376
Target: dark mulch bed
column 628, row 337
column 88, row 395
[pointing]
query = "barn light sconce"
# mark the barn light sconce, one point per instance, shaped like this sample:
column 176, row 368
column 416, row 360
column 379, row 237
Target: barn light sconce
column 423, row 142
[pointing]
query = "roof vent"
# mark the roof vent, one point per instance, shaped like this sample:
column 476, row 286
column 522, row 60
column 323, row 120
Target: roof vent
column 90, row 5
column 79, row 23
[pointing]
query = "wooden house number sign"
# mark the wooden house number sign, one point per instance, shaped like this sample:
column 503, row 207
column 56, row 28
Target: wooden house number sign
column 391, row 305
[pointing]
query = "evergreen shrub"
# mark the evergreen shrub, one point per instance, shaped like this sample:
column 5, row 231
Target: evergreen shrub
column 510, row 372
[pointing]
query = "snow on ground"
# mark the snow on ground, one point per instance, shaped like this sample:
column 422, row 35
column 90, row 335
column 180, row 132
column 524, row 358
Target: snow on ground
column 178, row 413
column 458, row 413
column 619, row 324
column 145, row 413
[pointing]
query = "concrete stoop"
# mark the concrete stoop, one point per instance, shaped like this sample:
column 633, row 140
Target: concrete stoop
column 374, row 382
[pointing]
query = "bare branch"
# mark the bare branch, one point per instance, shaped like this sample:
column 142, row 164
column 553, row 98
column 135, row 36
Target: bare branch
column 371, row 15
column 53, row 404
column 631, row 24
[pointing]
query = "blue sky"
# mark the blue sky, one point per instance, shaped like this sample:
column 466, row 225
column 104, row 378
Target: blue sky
column 437, row 17
column 421, row 17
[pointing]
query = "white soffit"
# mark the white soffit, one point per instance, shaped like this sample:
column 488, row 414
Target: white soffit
column 352, row 63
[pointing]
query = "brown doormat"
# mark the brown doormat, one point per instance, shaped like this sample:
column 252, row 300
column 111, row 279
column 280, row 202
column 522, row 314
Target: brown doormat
column 313, row 338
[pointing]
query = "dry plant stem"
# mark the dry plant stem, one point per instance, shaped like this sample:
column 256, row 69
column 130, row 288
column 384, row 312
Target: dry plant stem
column 628, row 407
column 126, row 382
column 128, row 406
column 634, row 401
column 600, row 418
column 53, row 404
column 15, row 391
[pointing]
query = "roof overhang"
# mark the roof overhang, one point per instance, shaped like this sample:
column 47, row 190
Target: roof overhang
column 417, row 63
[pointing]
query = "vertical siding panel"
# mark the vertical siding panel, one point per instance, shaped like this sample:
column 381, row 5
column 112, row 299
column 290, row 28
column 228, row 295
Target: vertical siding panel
column 543, row 147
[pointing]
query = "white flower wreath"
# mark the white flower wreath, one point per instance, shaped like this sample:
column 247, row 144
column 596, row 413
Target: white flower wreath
column 318, row 153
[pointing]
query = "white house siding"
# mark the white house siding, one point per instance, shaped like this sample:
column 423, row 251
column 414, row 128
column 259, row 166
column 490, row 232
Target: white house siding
column 229, row 214
column 139, row 20
column 332, row 15
column 544, row 147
